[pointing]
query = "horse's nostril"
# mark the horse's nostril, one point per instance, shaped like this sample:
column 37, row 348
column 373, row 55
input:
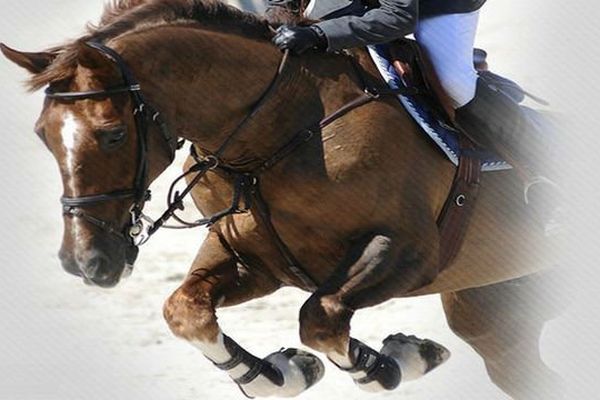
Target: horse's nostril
column 69, row 264
column 96, row 268
column 99, row 271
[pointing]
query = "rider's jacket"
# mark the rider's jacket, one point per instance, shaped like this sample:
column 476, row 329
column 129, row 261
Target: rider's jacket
column 354, row 23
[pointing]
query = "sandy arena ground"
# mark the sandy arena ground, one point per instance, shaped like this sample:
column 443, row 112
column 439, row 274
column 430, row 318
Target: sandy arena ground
column 62, row 340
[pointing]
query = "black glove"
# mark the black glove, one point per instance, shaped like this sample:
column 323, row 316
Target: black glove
column 298, row 39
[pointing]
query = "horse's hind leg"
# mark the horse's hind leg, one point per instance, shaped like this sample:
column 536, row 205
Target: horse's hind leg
column 377, row 269
column 503, row 323
column 216, row 279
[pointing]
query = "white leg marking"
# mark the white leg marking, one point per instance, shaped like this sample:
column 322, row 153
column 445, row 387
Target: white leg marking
column 214, row 351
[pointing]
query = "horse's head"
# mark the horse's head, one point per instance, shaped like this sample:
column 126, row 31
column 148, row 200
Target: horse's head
column 106, row 155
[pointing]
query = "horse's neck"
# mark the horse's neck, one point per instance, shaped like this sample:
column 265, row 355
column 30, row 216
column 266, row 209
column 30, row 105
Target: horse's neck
column 207, row 82
column 302, row 96
column 203, row 82
column 308, row 89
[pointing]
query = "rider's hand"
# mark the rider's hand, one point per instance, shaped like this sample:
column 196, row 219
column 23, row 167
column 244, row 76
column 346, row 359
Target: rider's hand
column 298, row 39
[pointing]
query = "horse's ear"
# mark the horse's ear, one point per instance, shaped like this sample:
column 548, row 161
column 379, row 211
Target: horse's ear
column 91, row 58
column 99, row 63
column 32, row 62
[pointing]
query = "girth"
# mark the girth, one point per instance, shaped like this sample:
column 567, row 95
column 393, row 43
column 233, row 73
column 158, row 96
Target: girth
column 453, row 220
column 454, row 217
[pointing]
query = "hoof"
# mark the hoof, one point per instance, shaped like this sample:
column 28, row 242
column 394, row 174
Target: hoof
column 300, row 370
column 415, row 356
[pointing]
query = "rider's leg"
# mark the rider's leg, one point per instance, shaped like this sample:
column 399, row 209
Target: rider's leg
column 448, row 42
column 485, row 114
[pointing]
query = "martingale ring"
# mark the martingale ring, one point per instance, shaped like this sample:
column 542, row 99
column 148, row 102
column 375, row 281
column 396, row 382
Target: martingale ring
column 460, row 200
column 213, row 162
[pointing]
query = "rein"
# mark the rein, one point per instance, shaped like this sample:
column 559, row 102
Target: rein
column 246, row 184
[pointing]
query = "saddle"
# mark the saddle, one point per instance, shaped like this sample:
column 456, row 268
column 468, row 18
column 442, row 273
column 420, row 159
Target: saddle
column 414, row 70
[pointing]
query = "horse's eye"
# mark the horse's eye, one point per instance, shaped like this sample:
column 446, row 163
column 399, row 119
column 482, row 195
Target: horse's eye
column 112, row 138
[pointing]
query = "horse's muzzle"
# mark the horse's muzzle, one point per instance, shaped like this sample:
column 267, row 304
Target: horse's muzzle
column 98, row 268
column 69, row 264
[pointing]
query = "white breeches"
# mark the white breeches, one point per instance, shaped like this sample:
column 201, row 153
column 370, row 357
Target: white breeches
column 448, row 42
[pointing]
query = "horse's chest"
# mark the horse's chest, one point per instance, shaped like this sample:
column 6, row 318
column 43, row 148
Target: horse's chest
column 314, row 247
column 308, row 208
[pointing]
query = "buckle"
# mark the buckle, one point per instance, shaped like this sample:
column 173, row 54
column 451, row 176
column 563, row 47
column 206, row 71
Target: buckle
column 372, row 92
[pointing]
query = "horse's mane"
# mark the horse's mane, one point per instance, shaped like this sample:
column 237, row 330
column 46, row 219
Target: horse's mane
column 125, row 16
column 114, row 9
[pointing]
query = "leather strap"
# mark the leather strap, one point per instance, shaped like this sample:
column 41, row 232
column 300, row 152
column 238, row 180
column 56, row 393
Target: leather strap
column 72, row 96
column 293, row 265
column 453, row 220
column 82, row 201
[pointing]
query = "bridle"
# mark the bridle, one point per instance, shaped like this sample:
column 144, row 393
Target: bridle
column 141, row 227
column 144, row 115
column 246, row 183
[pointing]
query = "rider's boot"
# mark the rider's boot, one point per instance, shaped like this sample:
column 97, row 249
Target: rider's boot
column 496, row 122
column 282, row 11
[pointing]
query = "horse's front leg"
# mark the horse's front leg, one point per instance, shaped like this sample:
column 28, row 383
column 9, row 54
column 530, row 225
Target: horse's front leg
column 215, row 280
column 377, row 268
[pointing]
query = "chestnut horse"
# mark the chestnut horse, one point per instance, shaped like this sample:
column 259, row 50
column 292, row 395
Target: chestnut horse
column 354, row 206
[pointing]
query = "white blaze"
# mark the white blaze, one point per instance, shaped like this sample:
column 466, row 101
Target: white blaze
column 70, row 137
column 69, row 140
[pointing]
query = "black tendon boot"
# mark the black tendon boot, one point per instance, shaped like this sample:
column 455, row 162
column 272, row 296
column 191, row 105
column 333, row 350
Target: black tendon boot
column 283, row 11
column 496, row 122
